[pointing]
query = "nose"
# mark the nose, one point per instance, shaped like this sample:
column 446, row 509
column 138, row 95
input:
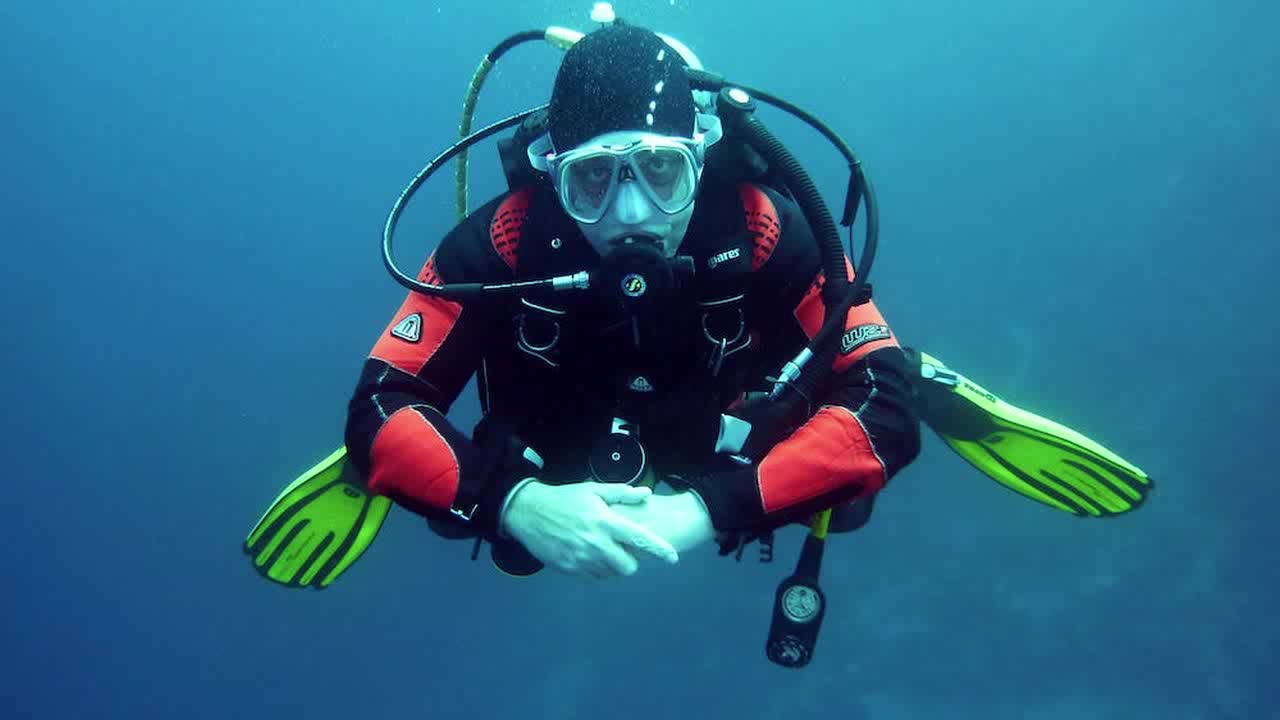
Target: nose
column 631, row 207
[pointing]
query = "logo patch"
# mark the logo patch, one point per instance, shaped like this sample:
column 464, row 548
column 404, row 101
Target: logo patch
column 633, row 285
column 789, row 651
column 725, row 256
column 974, row 388
column 409, row 329
column 861, row 335
column 640, row 383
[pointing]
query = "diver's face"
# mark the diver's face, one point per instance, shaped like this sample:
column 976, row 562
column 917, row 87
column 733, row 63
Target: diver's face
column 630, row 210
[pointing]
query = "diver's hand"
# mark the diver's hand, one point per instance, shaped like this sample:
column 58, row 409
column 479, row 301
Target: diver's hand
column 682, row 519
column 575, row 528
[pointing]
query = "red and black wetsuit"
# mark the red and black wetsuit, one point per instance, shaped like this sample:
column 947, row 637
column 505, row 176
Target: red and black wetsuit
column 554, row 371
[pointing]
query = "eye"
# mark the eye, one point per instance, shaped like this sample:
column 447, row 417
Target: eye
column 660, row 167
column 593, row 172
column 657, row 164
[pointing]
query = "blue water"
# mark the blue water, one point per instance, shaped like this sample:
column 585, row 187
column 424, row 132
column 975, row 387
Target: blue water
column 1080, row 210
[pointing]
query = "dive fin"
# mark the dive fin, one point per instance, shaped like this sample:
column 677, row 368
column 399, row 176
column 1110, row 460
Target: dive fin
column 1029, row 454
column 317, row 527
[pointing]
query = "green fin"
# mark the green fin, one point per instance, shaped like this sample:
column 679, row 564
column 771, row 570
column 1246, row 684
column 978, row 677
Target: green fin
column 1029, row 454
column 317, row 527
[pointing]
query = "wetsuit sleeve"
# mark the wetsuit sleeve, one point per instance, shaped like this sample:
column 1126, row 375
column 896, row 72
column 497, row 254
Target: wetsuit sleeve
column 396, row 432
column 862, row 429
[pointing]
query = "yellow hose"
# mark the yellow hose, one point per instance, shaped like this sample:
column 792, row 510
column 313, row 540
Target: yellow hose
column 464, row 129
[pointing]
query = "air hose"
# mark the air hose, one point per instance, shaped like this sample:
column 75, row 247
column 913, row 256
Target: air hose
column 562, row 38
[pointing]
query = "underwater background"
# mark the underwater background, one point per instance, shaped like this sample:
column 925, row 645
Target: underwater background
column 1080, row 210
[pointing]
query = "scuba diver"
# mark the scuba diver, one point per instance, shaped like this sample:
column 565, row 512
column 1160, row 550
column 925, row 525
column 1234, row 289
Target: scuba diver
column 660, row 301
column 575, row 392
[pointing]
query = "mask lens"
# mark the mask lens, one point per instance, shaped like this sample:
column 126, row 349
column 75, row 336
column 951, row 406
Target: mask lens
column 587, row 183
column 669, row 174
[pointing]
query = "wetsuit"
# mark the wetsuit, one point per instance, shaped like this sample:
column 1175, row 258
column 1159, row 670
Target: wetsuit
column 556, row 371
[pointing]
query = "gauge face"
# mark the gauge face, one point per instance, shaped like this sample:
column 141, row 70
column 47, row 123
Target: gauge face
column 801, row 603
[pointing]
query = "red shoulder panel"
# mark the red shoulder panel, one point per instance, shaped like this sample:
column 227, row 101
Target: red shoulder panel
column 762, row 223
column 507, row 224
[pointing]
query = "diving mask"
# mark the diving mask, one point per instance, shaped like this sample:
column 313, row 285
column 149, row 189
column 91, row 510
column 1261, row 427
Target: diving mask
column 665, row 169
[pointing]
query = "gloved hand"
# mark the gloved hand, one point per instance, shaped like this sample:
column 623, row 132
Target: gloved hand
column 681, row 519
column 575, row 528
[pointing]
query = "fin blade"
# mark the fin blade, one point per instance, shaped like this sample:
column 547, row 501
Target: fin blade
column 317, row 527
column 1027, row 453
column 316, row 560
column 325, row 471
column 1117, row 487
column 280, row 557
column 376, row 513
column 994, row 466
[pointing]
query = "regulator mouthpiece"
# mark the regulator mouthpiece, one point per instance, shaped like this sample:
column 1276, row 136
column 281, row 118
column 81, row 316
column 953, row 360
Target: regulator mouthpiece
column 639, row 278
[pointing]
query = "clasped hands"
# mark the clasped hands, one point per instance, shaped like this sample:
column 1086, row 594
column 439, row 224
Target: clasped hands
column 600, row 529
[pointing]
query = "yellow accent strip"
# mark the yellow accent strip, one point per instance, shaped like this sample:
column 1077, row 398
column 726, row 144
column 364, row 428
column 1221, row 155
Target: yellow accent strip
column 820, row 523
